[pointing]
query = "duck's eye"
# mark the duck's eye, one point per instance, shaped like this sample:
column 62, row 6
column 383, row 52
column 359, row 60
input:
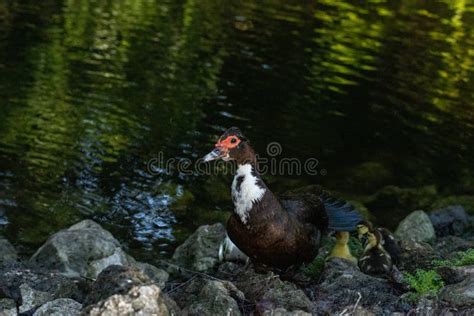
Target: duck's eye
column 233, row 140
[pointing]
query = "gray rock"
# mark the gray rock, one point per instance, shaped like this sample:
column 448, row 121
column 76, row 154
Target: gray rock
column 427, row 306
column 416, row 226
column 210, row 297
column 158, row 276
column 288, row 296
column 8, row 307
column 448, row 246
column 451, row 220
column 140, row 300
column 283, row 312
column 459, row 295
column 31, row 287
column 115, row 280
column 84, row 249
column 32, row 298
column 7, row 251
column 266, row 290
column 416, row 255
column 344, row 283
column 59, row 307
column 200, row 252
column 452, row 275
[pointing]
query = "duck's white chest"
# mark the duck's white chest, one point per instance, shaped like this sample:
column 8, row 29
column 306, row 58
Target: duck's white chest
column 245, row 191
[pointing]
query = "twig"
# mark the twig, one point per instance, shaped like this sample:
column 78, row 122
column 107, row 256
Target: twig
column 357, row 302
column 181, row 285
column 192, row 271
column 354, row 308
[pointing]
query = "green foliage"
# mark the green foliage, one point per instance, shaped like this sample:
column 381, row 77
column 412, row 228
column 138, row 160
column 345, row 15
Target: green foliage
column 467, row 201
column 463, row 258
column 355, row 247
column 423, row 282
column 315, row 268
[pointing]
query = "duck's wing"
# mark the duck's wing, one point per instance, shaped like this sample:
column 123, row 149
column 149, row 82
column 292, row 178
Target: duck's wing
column 342, row 216
column 390, row 244
column 306, row 206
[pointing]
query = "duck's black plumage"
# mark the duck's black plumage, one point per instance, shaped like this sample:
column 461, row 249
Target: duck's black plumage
column 390, row 244
column 314, row 205
column 388, row 241
column 375, row 260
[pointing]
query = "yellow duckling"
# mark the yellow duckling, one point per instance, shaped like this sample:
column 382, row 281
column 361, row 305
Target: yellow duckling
column 341, row 249
column 375, row 260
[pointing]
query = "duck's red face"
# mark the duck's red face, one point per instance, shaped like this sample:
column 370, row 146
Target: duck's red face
column 226, row 146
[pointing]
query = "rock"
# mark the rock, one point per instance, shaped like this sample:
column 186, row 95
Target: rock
column 7, row 251
column 427, row 306
column 115, row 280
column 288, row 296
column 30, row 287
column 448, row 246
column 397, row 201
column 344, row 283
column 158, row 276
column 32, row 298
column 416, row 255
column 94, row 249
column 8, row 307
column 209, row 297
column 200, row 252
column 268, row 289
column 140, row 300
column 459, row 295
column 283, row 312
column 467, row 201
column 451, row 220
column 453, row 275
column 59, row 307
column 417, row 226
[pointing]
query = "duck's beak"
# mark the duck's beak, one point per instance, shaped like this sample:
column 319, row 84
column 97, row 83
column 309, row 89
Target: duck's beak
column 217, row 153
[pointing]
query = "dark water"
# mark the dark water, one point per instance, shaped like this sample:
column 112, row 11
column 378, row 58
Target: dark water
column 92, row 90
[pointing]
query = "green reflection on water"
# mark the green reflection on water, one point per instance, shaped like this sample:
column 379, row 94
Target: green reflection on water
column 380, row 92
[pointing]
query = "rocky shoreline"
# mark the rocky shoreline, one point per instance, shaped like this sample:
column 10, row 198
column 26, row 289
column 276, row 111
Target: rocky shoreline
column 83, row 270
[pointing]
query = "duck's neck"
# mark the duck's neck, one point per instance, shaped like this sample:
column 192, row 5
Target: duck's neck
column 372, row 245
column 247, row 190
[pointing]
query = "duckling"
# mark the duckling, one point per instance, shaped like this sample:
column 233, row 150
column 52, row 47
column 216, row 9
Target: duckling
column 341, row 249
column 375, row 260
column 388, row 241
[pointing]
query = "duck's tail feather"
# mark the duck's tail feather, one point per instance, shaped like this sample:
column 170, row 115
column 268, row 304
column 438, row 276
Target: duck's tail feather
column 342, row 215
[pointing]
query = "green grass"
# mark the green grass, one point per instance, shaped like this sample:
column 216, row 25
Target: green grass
column 355, row 247
column 315, row 268
column 463, row 258
column 423, row 282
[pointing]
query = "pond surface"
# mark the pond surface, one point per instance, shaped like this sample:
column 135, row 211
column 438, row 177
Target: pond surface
column 92, row 90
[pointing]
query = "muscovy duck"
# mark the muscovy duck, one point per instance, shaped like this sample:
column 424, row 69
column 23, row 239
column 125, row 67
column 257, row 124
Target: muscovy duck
column 277, row 233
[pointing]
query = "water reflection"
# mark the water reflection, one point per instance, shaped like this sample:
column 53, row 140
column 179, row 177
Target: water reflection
column 92, row 90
